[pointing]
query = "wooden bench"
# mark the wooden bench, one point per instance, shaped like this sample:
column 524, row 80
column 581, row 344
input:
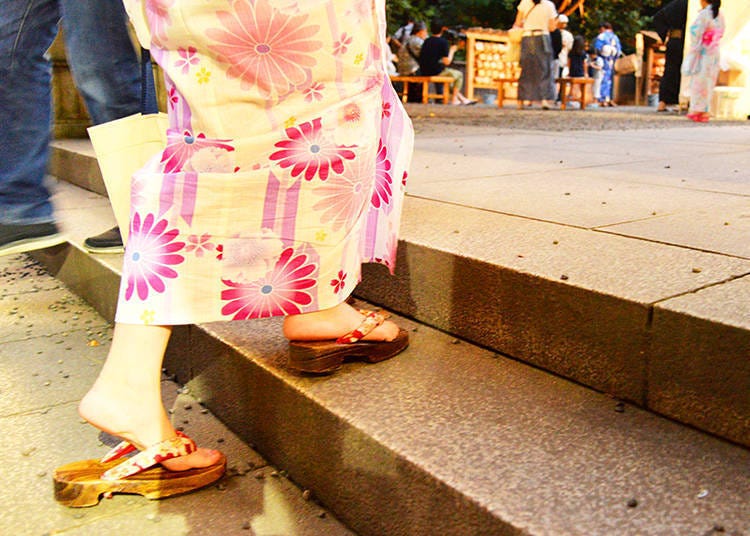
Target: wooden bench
column 501, row 90
column 446, row 82
column 568, row 82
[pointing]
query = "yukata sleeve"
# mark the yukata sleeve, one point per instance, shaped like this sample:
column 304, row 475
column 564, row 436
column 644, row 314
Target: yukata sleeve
column 136, row 10
column 599, row 43
column 692, row 63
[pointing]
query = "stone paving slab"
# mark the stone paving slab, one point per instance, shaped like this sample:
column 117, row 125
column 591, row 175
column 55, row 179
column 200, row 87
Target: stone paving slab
column 721, row 229
column 31, row 278
column 52, row 313
column 46, row 371
column 716, row 173
column 634, row 270
column 699, row 371
column 574, row 149
column 571, row 197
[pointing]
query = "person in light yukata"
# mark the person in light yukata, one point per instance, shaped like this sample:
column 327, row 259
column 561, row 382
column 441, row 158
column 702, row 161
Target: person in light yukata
column 702, row 61
column 284, row 170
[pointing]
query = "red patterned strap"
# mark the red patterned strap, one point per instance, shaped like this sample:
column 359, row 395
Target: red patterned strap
column 163, row 451
column 372, row 320
column 119, row 451
column 123, row 448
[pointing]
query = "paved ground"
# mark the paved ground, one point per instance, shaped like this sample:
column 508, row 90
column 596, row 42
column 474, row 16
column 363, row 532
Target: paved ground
column 425, row 116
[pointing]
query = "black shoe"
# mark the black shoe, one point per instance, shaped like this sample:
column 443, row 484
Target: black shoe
column 21, row 238
column 107, row 242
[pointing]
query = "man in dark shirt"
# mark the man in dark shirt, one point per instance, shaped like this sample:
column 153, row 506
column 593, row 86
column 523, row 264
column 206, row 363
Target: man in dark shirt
column 669, row 23
column 435, row 57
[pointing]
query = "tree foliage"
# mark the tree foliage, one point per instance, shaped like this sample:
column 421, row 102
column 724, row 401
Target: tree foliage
column 627, row 16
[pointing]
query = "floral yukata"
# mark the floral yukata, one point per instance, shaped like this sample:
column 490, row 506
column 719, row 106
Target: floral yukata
column 702, row 60
column 285, row 165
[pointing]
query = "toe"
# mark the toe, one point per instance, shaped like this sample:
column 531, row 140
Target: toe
column 199, row 458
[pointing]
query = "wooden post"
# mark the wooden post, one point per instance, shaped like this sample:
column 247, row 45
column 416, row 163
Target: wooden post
column 469, row 75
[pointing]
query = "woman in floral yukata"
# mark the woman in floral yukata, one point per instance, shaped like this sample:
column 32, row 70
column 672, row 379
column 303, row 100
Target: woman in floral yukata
column 284, row 171
column 702, row 61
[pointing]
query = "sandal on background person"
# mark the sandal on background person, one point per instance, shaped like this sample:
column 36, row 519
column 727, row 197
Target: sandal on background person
column 325, row 357
column 698, row 117
column 83, row 483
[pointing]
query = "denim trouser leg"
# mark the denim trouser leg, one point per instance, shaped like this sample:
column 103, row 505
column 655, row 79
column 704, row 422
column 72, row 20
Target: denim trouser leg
column 106, row 70
column 101, row 56
column 27, row 29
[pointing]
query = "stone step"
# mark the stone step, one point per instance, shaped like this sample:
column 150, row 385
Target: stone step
column 448, row 438
column 664, row 327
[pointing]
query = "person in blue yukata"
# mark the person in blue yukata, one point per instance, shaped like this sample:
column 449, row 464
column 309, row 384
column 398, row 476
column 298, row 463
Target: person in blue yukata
column 607, row 46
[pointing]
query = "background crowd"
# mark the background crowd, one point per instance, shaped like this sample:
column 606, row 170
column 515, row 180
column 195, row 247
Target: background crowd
column 549, row 50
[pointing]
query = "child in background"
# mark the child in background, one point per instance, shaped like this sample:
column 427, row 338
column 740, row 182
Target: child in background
column 596, row 64
column 577, row 62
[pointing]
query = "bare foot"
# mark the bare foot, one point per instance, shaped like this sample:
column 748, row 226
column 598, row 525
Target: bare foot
column 332, row 323
column 127, row 414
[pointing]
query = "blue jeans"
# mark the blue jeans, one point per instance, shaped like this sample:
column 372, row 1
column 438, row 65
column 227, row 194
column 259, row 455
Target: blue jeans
column 105, row 69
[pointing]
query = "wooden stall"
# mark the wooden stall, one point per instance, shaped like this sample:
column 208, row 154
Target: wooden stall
column 653, row 66
column 490, row 56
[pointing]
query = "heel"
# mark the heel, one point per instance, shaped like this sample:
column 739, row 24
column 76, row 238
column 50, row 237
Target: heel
column 307, row 360
column 76, row 495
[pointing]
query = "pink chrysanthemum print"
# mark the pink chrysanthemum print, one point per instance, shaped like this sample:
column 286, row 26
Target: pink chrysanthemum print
column 308, row 150
column 283, row 291
column 350, row 113
column 345, row 197
column 266, row 48
column 150, row 255
column 182, row 146
column 381, row 196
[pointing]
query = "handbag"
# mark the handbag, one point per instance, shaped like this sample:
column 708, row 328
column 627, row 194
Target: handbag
column 124, row 145
column 627, row 64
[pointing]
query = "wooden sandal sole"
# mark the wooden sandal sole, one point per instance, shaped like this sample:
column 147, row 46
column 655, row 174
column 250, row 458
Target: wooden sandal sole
column 325, row 357
column 79, row 484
